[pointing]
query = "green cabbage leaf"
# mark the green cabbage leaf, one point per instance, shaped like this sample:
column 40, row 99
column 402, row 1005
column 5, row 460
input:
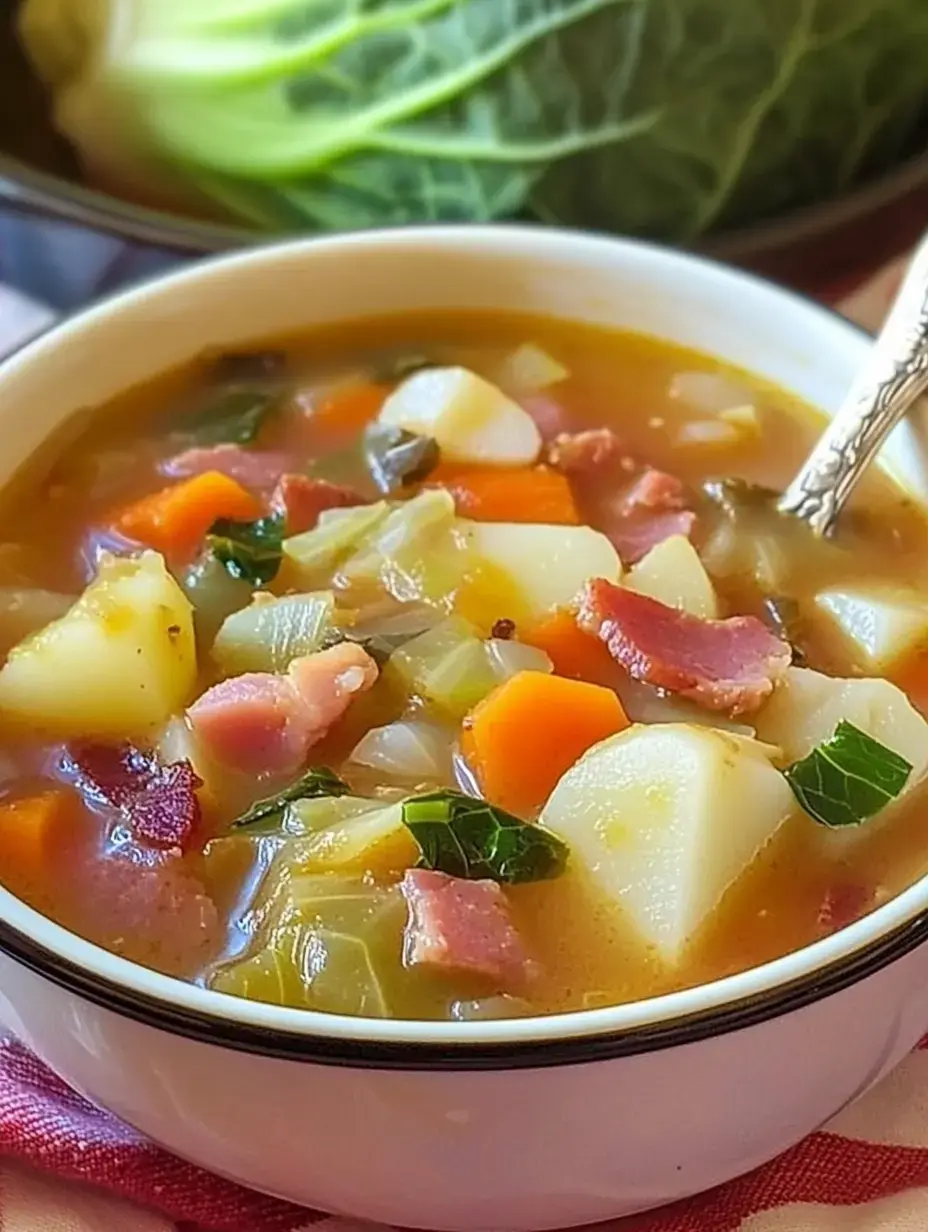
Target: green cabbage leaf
column 669, row 118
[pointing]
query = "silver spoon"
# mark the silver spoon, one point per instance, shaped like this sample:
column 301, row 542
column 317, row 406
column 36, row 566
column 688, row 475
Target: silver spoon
column 893, row 377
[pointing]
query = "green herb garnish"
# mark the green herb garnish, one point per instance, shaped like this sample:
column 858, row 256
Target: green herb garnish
column 250, row 551
column 469, row 838
column 236, row 417
column 320, row 781
column 848, row 779
column 397, row 458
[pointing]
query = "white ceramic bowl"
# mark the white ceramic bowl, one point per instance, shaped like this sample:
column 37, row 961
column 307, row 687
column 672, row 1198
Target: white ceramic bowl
column 528, row 1124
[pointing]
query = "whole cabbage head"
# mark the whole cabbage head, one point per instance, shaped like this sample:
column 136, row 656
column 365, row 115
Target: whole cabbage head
column 669, row 118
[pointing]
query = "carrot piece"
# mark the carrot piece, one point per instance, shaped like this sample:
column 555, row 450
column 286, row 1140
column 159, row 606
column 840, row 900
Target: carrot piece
column 525, row 734
column 351, row 406
column 495, row 494
column 574, row 653
column 30, row 832
column 175, row 519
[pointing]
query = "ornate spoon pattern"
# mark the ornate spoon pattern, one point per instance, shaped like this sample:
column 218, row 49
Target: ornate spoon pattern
column 893, row 378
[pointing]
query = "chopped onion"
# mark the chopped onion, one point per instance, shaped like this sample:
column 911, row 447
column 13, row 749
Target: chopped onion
column 336, row 534
column 304, row 817
column 270, row 633
column 394, row 620
column 408, row 749
column 645, row 704
column 530, row 368
column 698, row 432
column 507, row 657
column 709, row 391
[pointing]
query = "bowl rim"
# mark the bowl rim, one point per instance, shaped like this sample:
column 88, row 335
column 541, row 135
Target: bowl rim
column 781, row 986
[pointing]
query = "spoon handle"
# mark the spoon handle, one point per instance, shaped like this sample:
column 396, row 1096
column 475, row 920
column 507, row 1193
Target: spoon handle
column 892, row 379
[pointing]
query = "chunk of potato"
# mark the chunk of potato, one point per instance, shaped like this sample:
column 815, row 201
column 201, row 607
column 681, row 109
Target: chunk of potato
column 882, row 623
column 122, row 660
column 666, row 818
column 538, row 567
column 673, row 574
column 805, row 709
column 471, row 419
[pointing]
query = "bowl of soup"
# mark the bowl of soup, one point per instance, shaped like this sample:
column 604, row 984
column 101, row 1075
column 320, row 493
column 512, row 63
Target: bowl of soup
column 437, row 786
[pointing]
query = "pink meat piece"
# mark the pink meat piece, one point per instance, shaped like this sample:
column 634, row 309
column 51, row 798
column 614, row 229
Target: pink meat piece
column 728, row 664
column 654, row 489
column 551, row 418
column 464, row 926
column 301, row 500
column 634, row 534
column 158, row 802
column 262, row 722
column 254, row 468
column 842, row 904
column 150, row 906
column 583, row 453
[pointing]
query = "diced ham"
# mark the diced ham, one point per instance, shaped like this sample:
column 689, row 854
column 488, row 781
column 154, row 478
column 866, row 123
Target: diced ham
column 654, row 489
column 459, row 925
column 301, row 499
column 727, row 665
column 257, row 469
column 147, row 905
column 633, row 535
column 158, row 802
column 842, row 904
column 262, row 722
column 551, row 418
column 582, row 453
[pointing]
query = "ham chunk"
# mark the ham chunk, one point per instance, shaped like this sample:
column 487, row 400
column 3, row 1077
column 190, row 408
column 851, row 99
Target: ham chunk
column 634, row 535
column 158, row 803
column 301, row 499
column 729, row 665
column 257, row 469
column 651, row 510
column 582, row 453
column 842, row 904
column 458, row 925
column 549, row 415
column 263, row 722
column 654, row 489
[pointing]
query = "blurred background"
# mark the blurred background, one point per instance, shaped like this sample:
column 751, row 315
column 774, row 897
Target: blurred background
column 789, row 136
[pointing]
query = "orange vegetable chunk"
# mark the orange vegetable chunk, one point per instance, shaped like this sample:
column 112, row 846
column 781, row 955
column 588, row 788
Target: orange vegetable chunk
column 31, row 834
column 574, row 652
column 495, row 494
column 175, row 520
column 351, row 406
column 525, row 734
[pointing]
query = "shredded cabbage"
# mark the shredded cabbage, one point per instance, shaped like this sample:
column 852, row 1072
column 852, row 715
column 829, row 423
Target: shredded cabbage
column 664, row 117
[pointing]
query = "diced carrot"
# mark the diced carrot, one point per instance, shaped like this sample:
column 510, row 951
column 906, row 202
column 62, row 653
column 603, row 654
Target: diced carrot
column 31, row 830
column 525, row 734
column 495, row 494
column 175, row 519
column 912, row 677
column 350, row 407
column 574, row 653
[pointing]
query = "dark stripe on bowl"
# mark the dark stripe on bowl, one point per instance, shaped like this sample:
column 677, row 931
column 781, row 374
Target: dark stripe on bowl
column 525, row 1054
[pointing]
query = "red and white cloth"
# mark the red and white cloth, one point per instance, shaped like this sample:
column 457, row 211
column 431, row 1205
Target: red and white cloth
column 65, row 1166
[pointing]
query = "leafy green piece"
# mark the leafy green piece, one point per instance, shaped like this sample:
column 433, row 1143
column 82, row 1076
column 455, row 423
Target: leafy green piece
column 669, row 118
column 469, row 838
column 397, row 458
column 398, row 367
column 250, row 551
column 235, row 417
column 848, row 779
column 315, row 783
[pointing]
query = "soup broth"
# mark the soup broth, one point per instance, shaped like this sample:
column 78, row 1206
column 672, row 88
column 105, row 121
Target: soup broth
column 346, row 674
